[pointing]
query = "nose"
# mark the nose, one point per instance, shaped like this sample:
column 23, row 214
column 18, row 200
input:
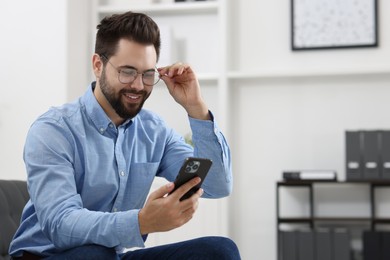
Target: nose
column 137, row 83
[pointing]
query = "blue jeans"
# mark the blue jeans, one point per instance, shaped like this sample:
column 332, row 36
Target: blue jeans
column 213, row 248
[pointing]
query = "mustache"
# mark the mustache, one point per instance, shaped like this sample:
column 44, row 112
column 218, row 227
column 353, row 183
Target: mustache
column 130, row 91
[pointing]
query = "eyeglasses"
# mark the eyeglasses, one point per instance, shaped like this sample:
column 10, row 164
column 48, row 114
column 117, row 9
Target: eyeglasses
column 128, row 75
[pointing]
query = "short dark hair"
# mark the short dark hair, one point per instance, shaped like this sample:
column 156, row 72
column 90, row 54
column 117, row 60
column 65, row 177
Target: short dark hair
column 132, row 26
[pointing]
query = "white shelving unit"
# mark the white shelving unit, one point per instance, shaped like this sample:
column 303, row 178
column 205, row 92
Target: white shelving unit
column 197, row 32
column 299, row 73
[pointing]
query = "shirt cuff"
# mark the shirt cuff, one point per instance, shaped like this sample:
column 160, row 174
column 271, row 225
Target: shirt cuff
column 128, row 230
column 204, row 128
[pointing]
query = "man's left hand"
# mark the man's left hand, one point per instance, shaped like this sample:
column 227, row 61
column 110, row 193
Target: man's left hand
column 184, row 87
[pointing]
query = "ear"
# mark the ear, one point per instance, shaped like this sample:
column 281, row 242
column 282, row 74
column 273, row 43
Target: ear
column 97, row 65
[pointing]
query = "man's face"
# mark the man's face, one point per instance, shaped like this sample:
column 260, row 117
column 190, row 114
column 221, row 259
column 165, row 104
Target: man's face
column 127, row 99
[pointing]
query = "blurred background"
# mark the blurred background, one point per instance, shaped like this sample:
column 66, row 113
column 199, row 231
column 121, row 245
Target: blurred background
column 281, row 109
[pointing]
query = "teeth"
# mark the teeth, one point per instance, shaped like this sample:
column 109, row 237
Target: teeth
column 131, row 96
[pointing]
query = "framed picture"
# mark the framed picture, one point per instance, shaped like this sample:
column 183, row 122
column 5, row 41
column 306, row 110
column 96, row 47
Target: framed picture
column 326, row 24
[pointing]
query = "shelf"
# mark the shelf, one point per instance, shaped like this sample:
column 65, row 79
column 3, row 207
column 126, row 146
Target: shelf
column 164, row 8
column 308, row 183
column 207, row 77
column 202, row 78
column 329, row 219
column 313, row 220
column 306, row 72
column 381, row 221
column 302, row 183
column 294, row 220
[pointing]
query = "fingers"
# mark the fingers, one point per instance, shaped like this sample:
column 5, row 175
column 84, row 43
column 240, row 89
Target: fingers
column 189, row 212
column 163, row 213
column 162, row 191
column 188, row 207
column 174, row 70
column 183, row 189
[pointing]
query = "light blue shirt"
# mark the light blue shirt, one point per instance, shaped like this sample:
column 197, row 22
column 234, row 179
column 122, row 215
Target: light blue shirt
column 88, row 178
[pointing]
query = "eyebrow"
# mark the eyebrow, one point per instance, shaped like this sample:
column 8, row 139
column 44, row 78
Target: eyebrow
column 134, row 68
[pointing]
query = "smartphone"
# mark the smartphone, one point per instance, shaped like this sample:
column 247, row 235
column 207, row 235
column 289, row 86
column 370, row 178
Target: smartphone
column 191, row 168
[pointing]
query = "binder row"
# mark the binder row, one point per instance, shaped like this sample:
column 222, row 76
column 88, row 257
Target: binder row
column 315, row 245
column 376, row 245
column 367, row 155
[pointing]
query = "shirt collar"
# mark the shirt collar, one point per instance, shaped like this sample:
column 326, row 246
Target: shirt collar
column 96, row 112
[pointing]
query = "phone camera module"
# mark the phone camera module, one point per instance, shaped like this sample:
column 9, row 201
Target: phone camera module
column 192, row 166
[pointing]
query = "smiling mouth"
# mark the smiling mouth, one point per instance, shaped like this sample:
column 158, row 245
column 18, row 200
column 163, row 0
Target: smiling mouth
column 132, row 96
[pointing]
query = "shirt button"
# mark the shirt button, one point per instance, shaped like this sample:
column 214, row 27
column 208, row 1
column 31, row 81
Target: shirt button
column 110, row 125
column 115, row 209
column 122, row 173
column 101, row 130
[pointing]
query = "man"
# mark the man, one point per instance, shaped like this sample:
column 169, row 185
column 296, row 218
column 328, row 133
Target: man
column 91, row 163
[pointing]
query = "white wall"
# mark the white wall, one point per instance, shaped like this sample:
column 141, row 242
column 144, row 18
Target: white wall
column 44, row 63
column 292, row 122
column 32, row 72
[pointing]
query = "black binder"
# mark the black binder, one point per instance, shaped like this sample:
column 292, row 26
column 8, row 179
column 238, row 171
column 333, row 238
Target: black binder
column 385, row 245
column 385, row 155
column 371, row 155
column 341, row 245
column 289, row 245
column 353, row 155
column 372, row 245
column 306, row 245
column 323, row 244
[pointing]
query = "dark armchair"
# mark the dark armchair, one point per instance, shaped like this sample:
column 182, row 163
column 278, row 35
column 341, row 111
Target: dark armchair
column 13, row 197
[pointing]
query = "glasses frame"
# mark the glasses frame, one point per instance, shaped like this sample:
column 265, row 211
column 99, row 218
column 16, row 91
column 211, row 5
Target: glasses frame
column 119, row 70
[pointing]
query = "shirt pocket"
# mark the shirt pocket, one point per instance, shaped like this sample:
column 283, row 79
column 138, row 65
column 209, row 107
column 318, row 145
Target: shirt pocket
column 141, row 176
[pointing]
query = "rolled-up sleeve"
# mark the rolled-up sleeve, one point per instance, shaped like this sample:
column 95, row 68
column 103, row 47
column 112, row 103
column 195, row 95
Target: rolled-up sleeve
column 209, row 142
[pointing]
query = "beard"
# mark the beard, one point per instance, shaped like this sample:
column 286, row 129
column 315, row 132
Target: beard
column 124, row 110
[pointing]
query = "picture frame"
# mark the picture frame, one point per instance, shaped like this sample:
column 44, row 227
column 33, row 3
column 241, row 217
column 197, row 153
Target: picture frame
column 329, row 24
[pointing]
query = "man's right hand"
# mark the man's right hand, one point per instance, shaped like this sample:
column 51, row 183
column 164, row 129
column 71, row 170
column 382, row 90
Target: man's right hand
column 164, row 213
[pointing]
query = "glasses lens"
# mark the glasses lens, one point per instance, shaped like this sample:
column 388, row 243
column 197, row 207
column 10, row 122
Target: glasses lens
column 150, row 78
column 127, row 75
